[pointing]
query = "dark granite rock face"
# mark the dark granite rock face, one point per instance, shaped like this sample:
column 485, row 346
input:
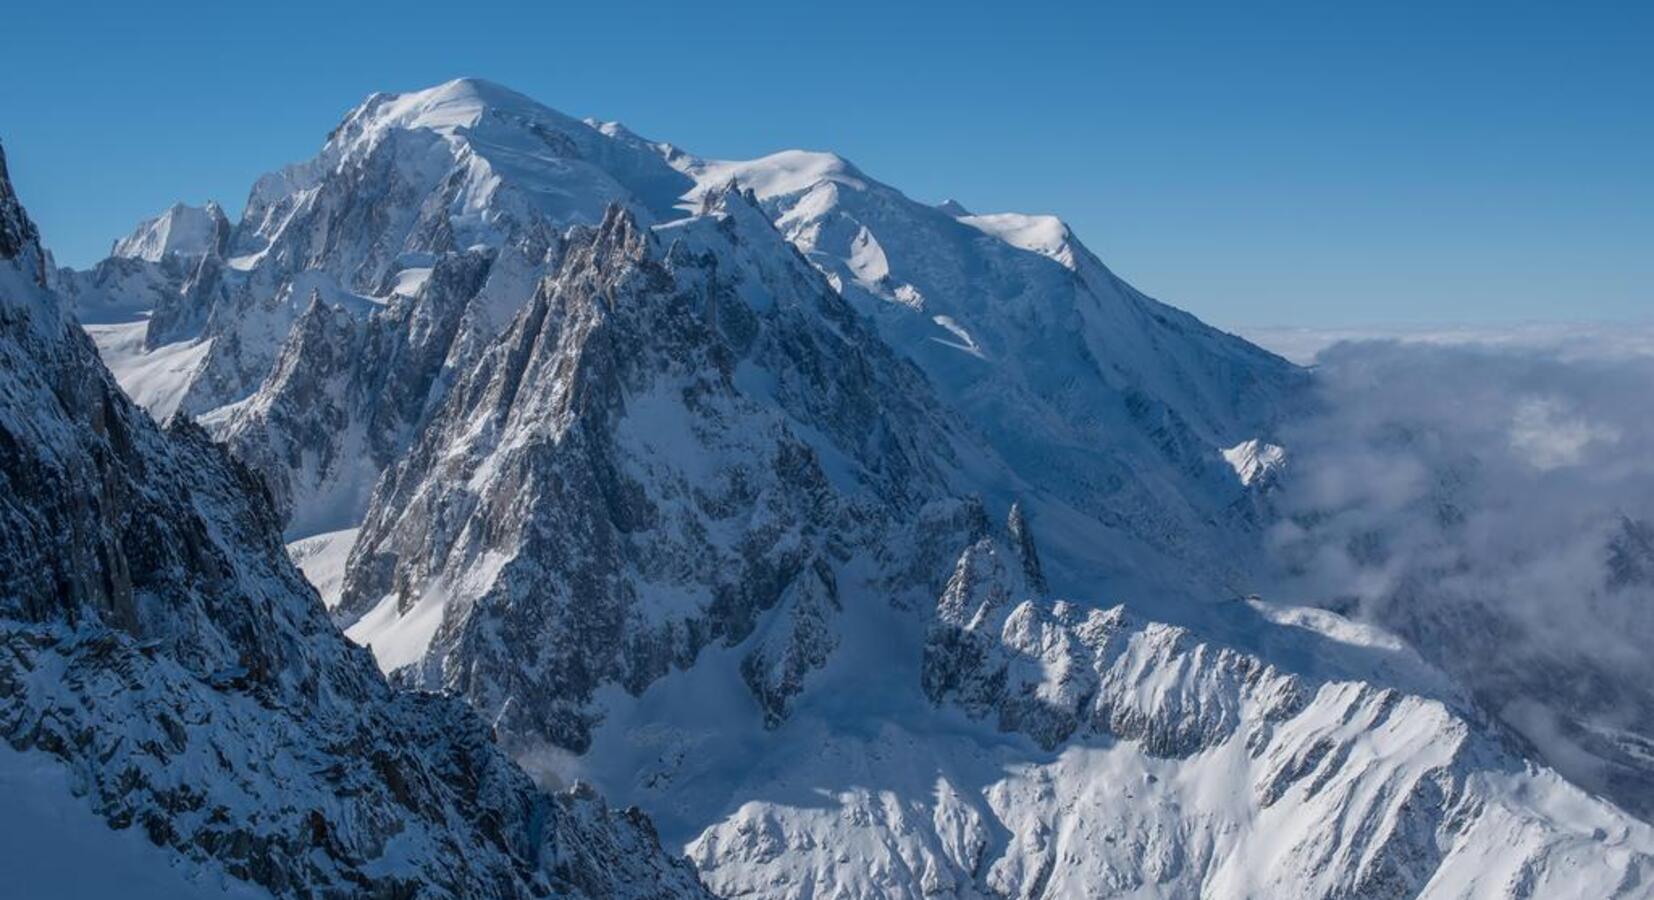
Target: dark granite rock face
column 348, row 394
column 181, row 313
column 18, row 238
column 623, row 478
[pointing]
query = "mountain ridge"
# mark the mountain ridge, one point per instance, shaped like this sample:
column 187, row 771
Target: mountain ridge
column 162, row 652
column 715, row 483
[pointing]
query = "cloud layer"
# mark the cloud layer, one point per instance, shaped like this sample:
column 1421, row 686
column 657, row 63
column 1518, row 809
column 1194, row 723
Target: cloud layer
column 1493, row 501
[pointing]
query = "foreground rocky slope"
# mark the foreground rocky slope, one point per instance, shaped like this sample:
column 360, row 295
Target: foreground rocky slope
column 157, row 644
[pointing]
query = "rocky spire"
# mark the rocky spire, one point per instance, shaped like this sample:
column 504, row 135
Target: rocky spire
column 720, row 198
column 18, row 238
column 1022, row 539
column 618, row 237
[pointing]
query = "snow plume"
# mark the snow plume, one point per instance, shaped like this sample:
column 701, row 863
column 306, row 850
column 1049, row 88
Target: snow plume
column 552, row 767
column 1494, row 503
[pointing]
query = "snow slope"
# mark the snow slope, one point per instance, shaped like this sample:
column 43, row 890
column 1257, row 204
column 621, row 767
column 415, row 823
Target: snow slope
column 322, row 559
column 1110, row 404
column 154, row 378
column 1030, row 748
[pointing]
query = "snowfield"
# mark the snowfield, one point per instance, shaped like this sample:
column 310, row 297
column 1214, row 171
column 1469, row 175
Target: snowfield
column 154, row 379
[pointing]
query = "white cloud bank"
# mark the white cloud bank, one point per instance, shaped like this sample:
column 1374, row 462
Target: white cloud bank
column 1492, row 499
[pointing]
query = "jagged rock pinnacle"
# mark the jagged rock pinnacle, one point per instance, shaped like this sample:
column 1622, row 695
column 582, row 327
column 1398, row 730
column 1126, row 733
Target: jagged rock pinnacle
column 1022, row 538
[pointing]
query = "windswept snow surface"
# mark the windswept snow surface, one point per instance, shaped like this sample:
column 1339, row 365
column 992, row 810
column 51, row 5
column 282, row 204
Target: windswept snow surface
column 787, row 172
column 1045, row 235
column 155, row 379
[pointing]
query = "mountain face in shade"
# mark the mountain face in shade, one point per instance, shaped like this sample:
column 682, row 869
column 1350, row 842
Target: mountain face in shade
column 688, row 477
column 157, row 646
column 19, row 239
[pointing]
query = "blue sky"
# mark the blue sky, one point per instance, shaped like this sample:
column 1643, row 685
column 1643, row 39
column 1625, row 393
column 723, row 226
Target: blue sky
column 1307, row 164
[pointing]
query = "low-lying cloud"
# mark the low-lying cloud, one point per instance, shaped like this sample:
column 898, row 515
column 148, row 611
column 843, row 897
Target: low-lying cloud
column 1493, row 501
column 1568, row 340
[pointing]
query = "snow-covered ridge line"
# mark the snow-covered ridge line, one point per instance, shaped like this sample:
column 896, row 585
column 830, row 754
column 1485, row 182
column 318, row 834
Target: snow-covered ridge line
column 1136, row 758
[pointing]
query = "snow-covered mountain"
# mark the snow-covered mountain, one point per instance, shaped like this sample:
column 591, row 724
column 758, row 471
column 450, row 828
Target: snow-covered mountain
column 662, row 463
column 467, row 166
column 429, row 218
column 147, row 271
column 163, row 659
column 180, row 231
column 1111, row 402
column 1097, row 395
column 686, row 438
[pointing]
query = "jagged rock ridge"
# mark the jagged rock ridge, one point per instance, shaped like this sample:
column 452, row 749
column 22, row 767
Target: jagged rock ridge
column 156, row 642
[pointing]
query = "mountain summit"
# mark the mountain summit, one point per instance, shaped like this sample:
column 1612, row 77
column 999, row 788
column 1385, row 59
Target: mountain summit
column 181, row 230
